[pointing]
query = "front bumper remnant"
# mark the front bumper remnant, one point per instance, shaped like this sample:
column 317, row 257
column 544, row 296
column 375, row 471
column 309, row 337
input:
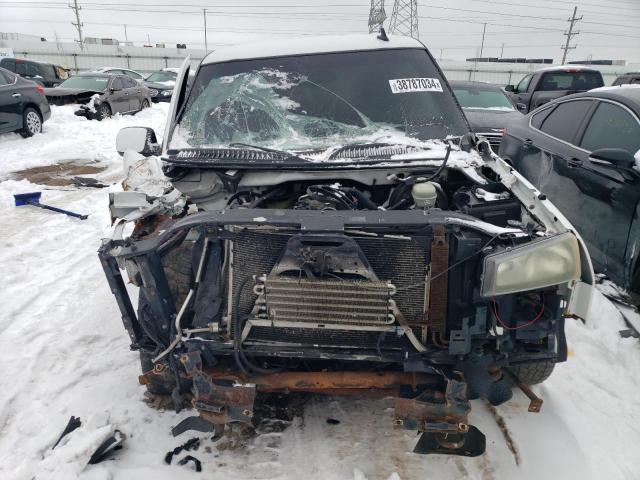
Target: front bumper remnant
column 223, row 396
column 442, row 417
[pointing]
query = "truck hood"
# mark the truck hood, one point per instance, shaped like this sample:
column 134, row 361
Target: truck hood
column 484, row 119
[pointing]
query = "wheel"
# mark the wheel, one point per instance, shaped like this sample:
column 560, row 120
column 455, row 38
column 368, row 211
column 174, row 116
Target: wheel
column 104, row 111
column 145, row 104
column 534, row 372
column 31, row 122
column 177, row 268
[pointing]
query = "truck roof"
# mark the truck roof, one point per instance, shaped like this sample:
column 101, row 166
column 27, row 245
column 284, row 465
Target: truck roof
column 309, row 45
column 567, row 68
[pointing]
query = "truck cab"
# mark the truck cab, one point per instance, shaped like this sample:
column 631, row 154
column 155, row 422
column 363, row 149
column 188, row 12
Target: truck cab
column 547, row 84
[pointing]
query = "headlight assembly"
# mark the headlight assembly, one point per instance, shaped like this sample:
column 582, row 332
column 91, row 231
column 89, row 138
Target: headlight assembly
column 540, row 264
column 166, row 93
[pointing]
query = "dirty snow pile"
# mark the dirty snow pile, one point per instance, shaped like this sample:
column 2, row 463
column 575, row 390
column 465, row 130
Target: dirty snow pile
column 64, row 352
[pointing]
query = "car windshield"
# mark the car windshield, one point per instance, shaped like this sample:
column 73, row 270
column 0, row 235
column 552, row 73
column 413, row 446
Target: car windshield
column 160, row 77
column 99, row 84
column 319, row 101
column 478, row 97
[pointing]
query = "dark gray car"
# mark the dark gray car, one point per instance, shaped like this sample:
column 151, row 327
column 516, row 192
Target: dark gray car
column 101, row 95
column 23, row 106
column 579, row 151
column 487, row 108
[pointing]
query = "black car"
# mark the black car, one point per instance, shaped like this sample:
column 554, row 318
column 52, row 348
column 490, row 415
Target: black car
column 579, row 151
column 45, row 74
column 160, row 85
column 632, row 78
column 101, row 95
column 487, row 107
column 23, row 106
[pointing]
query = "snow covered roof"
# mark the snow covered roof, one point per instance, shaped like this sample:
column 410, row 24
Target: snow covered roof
column 566, row 68
column 309, row 45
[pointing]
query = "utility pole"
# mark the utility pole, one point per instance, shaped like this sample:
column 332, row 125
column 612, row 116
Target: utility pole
column 502, row 50
column 126, row 38
column 570, row 34
column 484, row 30
column 206, row 45
column 76, row 8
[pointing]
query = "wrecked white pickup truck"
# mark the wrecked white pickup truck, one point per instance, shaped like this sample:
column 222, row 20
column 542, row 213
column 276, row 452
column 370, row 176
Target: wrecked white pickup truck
column 319, row 218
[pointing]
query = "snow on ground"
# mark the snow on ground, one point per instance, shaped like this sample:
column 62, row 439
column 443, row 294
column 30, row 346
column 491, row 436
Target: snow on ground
column 64, row 352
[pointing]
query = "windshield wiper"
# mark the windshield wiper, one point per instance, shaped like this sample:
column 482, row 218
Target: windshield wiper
column 284, row 153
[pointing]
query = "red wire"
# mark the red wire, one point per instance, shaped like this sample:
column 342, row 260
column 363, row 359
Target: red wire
column 506, row 327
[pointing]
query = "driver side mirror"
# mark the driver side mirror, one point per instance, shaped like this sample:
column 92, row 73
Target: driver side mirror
column 618, row 157
column 139, row 139
column 510, row 88
column 114, row 89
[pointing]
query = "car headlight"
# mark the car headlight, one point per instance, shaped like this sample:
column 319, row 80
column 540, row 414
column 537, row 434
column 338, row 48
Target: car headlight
column 166, row 93
column 540, row 264
column 153, row 92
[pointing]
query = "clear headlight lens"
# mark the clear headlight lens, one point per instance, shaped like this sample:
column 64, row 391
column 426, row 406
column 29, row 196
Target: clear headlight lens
column 544, row 263
column 166, row 93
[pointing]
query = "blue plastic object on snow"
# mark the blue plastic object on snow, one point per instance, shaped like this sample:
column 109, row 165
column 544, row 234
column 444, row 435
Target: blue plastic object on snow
column 34, row 199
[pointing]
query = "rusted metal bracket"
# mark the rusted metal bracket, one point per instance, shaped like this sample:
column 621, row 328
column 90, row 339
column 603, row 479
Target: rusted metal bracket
column 443, row 419
column 219, row 401
column 535, row 403
column 439, row 286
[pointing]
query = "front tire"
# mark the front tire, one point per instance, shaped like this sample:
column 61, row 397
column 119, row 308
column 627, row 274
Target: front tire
column 145, row 104
column 31, row 122
column 533, row 373
column 104, row 111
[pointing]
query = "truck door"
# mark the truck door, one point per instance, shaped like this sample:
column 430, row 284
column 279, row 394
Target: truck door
column 521, row 94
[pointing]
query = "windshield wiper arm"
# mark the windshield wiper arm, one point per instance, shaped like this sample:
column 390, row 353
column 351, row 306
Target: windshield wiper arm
column 287, row 155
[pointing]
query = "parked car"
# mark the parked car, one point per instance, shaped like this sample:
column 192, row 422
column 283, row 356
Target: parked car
column 160, row 85
column 579, row 151
column 23, row 106
column 100, row 95
column 487, row 107
column 632, row 78
column 46, row 74
column 138, row 77
column 331, row 236
column 550, row 83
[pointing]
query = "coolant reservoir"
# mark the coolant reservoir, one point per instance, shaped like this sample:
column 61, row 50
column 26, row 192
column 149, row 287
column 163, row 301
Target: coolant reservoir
column 424, row 195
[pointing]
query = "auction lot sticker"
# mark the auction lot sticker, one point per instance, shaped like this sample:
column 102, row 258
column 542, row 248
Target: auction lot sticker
column 404, row 85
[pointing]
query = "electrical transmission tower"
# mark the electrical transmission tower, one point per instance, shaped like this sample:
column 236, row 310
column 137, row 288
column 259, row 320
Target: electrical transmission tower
column 377, row 15
column 76, row 8
column 404, row 18
column 570, row 34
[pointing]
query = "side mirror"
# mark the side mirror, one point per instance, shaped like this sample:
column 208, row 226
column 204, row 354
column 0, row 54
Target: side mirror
column 510, row 88
column 618, row 157
column 521, row 107
column 112, row 89
column 139, row 139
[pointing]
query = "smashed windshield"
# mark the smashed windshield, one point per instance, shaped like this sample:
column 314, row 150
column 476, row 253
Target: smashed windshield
column 99, row 84
column 313, row 102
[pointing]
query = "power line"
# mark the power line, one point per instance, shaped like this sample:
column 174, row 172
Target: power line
column 570, row 34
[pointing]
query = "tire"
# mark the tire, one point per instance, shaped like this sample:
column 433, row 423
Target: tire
column 31, row 122
column 178, row 270
column 104, row 111
column 145, row 104
column 534, row 372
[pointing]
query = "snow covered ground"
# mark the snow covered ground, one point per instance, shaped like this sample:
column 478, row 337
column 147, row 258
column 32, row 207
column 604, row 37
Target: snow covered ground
column 63, row 352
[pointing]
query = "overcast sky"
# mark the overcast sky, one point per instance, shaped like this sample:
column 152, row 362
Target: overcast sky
column 452, row 29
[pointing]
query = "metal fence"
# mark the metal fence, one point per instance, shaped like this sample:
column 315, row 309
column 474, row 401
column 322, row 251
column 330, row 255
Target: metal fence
column 147, row 60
